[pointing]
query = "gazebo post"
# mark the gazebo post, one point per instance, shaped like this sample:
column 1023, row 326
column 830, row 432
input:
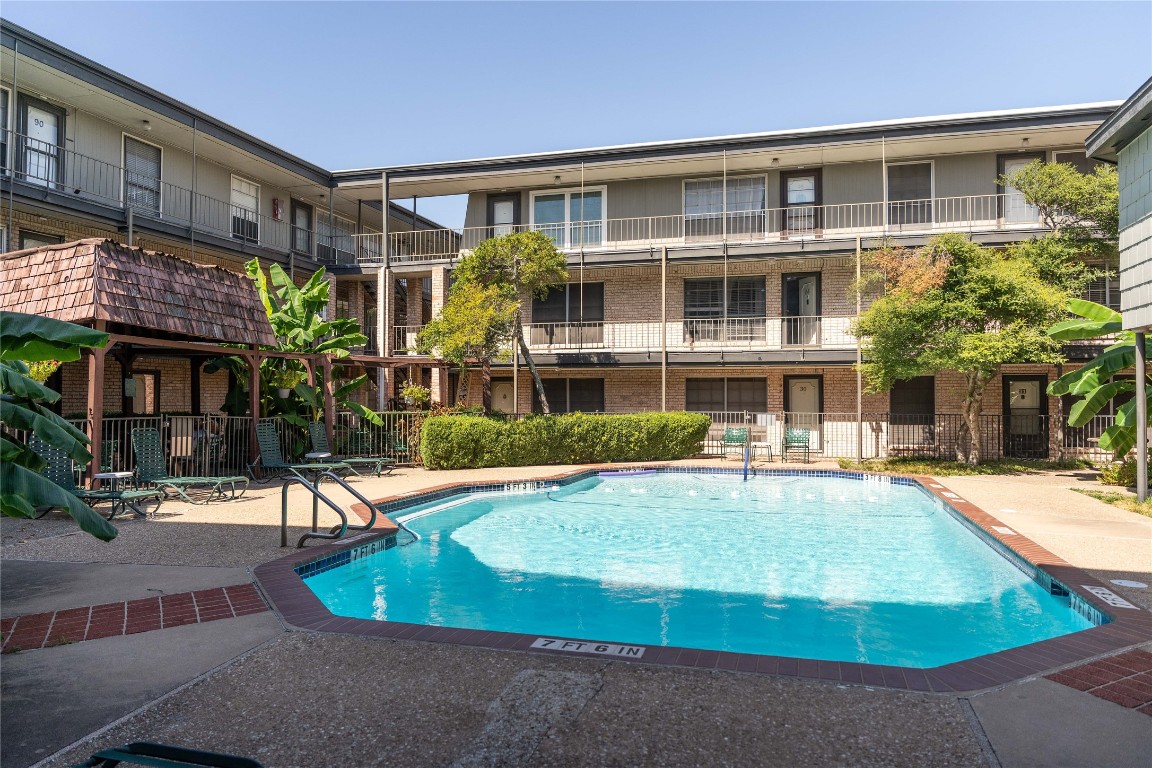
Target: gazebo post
column 95, row 410
column 329, row 399
column 253, row 403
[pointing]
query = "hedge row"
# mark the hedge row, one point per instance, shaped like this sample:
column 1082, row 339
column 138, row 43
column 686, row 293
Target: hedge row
column 462, row 442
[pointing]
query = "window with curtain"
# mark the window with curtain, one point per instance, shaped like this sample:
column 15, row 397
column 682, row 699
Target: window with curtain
column 245, row 201
column 572, row 218
column 726, row 395
column 571, row 395
column 910, row 194
column 705, row 206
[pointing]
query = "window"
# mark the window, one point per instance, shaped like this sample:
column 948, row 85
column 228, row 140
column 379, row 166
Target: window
column 335, row 240
column 705, row 207
column 726, row 395
column 245, row 210
column 912, row 413
column 570, row 314
column 142, row 163
column 343, row 301
column 571, row 395
column 143, row 390
column 4, row 128
column 571, row 218
column 800, row 192
column 909, row 194
column 707, row 317
column 37, row 240
column 1104, row 290
column 301, row 227
column 40, row 141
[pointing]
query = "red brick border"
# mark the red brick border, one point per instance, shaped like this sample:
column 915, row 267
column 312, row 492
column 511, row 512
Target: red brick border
column 39, row 630
column 1124, row 679
column 297, row 604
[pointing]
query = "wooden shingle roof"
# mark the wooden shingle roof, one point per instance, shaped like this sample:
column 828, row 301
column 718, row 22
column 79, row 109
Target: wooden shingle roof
column 96, row 279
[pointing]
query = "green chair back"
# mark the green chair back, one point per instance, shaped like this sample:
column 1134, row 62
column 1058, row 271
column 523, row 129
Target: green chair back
column 108, row 450
column 149, row 450
column 268, row 440
column 319, row 437
column 735, row 435
column 797, row 435
column 60, row 465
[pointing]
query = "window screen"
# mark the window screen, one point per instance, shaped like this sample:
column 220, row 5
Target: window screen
column 910, row 193
column 563, row 304
column 914, row 397
column 141, row 175
column 726, row 395
column 571, row 395
column 704, row 298
column 746, row 297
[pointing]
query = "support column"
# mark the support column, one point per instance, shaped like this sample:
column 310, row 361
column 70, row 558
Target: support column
column 253, row 359
column 440, row 387
column 329, row 396
column 95, row 410
column 1141, row 420
column 664, row 328
column 383, row 334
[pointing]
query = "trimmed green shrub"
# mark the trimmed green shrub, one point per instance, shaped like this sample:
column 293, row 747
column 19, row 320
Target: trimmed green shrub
column 1123, row 473
column 464, row 442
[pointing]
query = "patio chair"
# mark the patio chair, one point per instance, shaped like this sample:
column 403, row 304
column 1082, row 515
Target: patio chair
column 61, row 471
column 796, row 439
column 147, row 753
column 400, row 446
column 152, row 469
column 378, row 464
column 734, row 439
column 272, row 459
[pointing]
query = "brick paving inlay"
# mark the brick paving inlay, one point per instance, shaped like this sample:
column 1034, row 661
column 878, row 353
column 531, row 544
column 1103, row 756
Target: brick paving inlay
column 1125, row 679
column 39, row 630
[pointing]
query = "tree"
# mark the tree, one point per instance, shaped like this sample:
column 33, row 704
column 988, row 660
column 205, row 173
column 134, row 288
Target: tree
column 516, row 264
column 1080, row 208
column 24, row 412
column 955, row 305
column 475, row 324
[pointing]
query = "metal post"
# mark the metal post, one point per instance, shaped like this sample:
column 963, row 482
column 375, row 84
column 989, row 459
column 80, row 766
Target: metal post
column 664, row 328
column 95, row 409
column 11, row 149
column 515, row 379
column 1141, row 420
column 192, row 196
column 129, row 224
column 383, row 303
column 859, row 375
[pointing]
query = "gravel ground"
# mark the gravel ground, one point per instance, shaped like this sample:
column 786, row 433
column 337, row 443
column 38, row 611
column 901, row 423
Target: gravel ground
column 416, row 704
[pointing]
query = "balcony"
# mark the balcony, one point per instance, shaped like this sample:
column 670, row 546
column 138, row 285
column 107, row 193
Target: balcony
column 758, row 334
column 46, row 169
column 972, row 214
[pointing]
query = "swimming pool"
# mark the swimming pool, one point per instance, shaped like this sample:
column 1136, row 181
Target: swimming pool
column 847, row 568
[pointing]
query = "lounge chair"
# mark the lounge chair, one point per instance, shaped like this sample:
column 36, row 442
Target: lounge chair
column 795, row 439
column 734, row 439
column 61, row 471
column 377, row 464
column 151, row 469
column 147, row 753
column 272, row 459
column 400, row 446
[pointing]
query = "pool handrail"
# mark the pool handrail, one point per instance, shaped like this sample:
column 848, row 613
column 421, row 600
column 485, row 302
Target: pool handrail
column 337, row 531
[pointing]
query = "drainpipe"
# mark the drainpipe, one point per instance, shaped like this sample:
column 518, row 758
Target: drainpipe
column 664, row 328
column 859, row 376
column 383, row 302
column 1141, row 420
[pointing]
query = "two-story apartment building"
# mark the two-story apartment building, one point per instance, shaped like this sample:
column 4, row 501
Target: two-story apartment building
column 716, row 274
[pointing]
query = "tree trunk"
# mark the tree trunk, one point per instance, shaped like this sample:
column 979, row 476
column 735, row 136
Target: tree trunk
column 973, row 405
column 531, row 365
column 486, row 386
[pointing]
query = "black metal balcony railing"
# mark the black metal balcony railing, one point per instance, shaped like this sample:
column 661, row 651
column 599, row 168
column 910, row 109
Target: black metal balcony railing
column 40, row 164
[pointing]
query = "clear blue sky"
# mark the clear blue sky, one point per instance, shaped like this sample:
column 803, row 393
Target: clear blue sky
column 348, row 85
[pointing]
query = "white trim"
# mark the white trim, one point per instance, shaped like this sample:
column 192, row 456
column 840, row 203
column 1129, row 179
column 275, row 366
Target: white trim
column 124, row 168
column 568, row 192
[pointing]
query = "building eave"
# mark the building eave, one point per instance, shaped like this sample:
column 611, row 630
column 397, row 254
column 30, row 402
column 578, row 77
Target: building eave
column 1128, row 121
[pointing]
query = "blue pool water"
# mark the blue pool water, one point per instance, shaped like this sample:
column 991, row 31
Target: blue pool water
column 822, row 568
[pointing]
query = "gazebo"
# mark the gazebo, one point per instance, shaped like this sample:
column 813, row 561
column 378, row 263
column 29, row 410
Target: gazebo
column 157, row 305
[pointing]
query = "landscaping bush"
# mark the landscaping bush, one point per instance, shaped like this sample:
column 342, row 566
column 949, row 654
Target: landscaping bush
column 460, row 442
column 1122, row 474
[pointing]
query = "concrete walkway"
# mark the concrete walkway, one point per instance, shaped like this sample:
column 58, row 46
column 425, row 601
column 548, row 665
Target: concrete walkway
column 245, row 685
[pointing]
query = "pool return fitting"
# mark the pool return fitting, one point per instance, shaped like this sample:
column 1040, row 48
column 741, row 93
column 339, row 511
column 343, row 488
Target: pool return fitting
column 337, row 531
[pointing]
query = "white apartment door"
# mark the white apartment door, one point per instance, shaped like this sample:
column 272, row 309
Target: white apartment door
column 41, row 145
column 804, row 406
column 809, row 322
column 503, row 217
column 502, row 396
column 1016, row 208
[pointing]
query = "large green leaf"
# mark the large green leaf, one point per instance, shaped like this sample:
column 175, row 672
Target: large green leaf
column 1096, row 373
column 1074, row 330
column 47, row 426
column 35, row 338
column 1090, row 310
column 365, row 413
column 1083, row 410
column 18, row 384
column 24, row 490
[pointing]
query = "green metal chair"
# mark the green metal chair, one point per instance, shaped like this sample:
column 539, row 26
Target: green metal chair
column 796, row 440
column 378, row 464
column 271, row 459
column 734, row 439
column 164, row 756
column 152, row 469
column 60, row 470
column 400, row 446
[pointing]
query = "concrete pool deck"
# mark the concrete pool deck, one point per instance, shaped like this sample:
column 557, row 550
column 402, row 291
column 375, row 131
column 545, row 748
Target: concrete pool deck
column 248, row 686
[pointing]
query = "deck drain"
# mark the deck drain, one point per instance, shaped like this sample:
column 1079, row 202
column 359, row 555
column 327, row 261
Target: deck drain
column 1129, row 583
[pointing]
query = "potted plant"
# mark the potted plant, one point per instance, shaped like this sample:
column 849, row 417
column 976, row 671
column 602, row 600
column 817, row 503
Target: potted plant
column 284, row 380
column 416, row 396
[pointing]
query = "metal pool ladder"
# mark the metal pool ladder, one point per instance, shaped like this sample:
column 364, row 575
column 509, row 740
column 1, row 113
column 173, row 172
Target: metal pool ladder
column 338, row 531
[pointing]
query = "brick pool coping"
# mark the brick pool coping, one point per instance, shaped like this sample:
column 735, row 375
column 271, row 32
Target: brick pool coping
column 1126, row 627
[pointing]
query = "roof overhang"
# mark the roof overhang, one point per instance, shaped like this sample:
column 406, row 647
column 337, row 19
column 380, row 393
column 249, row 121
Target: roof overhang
column 1128, row 121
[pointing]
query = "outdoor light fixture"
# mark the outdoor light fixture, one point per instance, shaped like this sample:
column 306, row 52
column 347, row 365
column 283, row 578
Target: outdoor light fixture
column 775, row 162
column 147, row 125
column 1023, row 143
column 556, row 180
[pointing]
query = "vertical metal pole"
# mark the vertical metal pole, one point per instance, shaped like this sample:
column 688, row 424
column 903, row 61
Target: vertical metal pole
column 884, row 182
column 192, row 196
column 515, row 378
column 664, row 328
column 359, row 227
column 130, row 223
column 383, row 303
column 859, row 375
column 1141, row 420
